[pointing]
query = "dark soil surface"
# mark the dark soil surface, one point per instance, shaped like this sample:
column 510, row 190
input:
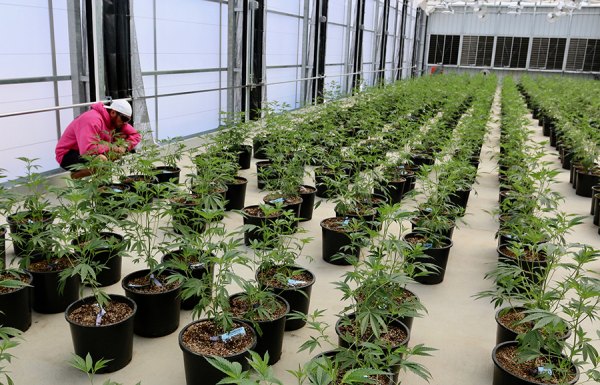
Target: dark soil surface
column 306, row 190
column 151, row 287
column 507, row 358
column 288, row 200
column 87, row 313
column 510, row 320
column 8, row 276
column 258, row 213
column 240, row 307
column 53, row 264
column 197, row 339
column 335, row 224
column 267, row 278
column 394, row 337
column 526, row 255
column 238, row 181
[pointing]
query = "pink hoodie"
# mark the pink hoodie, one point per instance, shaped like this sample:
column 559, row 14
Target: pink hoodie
column 85, row 133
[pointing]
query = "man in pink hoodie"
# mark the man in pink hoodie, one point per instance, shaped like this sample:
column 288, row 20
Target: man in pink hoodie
column 94, row 133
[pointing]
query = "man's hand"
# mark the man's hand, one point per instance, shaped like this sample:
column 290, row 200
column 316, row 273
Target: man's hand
column 119, row 150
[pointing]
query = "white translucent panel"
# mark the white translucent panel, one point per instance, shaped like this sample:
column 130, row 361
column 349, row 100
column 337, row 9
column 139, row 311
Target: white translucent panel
column 370, row 14
column 149, row 87
column 43, row 151
column 284, row 36
column 187, row 82
column 25, row 50
column 65, row 98
column 151, row 105
column 224, row 31
column 187, row 34
column 145, row 39
column 390, row 48
column 334, row 78
column 288, row 93
column 61, row 37
column 142, row 9
column 335, row 50
column 186, row 115
column 393, row 22
column 338, row 11
column 368, row 46
column 368, row 74
column 295, row 7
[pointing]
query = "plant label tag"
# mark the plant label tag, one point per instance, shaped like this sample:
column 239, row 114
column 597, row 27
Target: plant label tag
column 117, row 190
column 278, row 200
column 234, row 333
column 346, row 221
column 155, row 281
column 99, row 316
column 544, row 371
column 196, row 266
column 295, row 282
column 428, row 245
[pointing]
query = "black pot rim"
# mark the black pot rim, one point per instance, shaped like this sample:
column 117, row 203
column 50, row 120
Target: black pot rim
column 541, row 262
column 312, row 189
column 245, row 213
column 496, row 363
column 48, row 216
column 278, row 297
column 390, row 322
column 170, row 168
column 297, row 287
column 184, row 347
column 448, row 245
column 120, row 297
column 21, row 272
column 139, row 272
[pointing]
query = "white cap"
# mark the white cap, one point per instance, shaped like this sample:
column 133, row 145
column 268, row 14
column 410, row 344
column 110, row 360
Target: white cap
column 122, row 106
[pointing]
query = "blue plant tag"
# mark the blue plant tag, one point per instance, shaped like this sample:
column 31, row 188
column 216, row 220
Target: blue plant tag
column 428, row 245
column 100, row 315
column 346, row 221
column 542, row 370
column 155, row 281
column 294, row 282
column 278, row 200
column 234, row 333
column 117, row 190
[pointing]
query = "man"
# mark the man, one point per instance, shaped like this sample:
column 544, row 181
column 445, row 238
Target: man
column 94, row 133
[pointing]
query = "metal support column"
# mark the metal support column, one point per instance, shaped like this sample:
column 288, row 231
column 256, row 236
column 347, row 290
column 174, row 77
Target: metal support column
column 383, row 50
column 402, row 38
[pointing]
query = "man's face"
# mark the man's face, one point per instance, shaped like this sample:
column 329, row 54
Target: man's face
column 117, row 119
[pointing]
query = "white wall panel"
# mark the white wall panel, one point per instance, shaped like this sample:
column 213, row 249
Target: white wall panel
column 65, row 98
column 587, row 25
column 368, row 46
column 187, row 34
column 335, row 50
column 61, row 37
column 295, row 7
column 24, row 54
column 370, row 14
column 288, row 93
column 337, row 11
column 144, row 26
column 334, row 78
column 283, row 40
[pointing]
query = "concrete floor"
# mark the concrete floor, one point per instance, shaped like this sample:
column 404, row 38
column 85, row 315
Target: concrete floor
column 461, row 328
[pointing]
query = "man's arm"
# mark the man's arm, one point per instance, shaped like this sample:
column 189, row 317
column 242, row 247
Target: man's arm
column 131, row 135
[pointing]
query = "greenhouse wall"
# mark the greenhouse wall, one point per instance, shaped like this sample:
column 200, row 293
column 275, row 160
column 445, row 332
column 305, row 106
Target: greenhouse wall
column 514, row 40
column 189, row 62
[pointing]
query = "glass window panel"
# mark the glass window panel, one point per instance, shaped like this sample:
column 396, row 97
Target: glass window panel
column 335, row 44
column 25, row 54
column 61, row 37
column 284, row 35
column 286, row 92
column 337, row 11
column 185, row 115
column 295, row 7
column 369, row 20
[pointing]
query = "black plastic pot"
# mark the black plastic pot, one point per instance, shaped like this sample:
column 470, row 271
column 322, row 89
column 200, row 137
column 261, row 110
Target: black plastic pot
column 460, row 198
column 269, row 333
column 244, row 156
column 165, row 174
column 259, row 143
column 585, row 181
column 109, row 342
column 236, row 194
column 347, row 341
column 411, row 180
column 437, row 256
column 187, row 214
column 418, row 225
column 532, row 270
column 337, row 246
column 46, row 296
column 15, row 307
column 3, row 245
column 308, row 203
column 261, row 223
column 197, row 369
column 595, row 190
column 369, row 218
column 264, row 173
column 596, row 219
column 109, row 257
column 158, row 313
column 504, row 334
column 143, row 186
column 503, row 377
column 202, row 270
column 297, row 296
column 322, row 175
column 24, row 227
column 113, row 200
column 393, row 190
